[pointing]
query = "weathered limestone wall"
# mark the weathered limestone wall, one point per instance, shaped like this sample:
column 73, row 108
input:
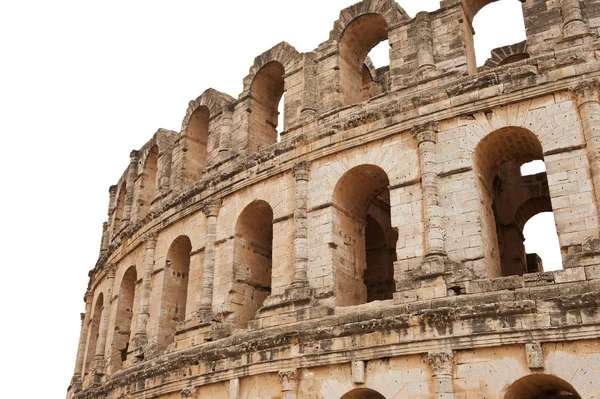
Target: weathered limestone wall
column 374, row 249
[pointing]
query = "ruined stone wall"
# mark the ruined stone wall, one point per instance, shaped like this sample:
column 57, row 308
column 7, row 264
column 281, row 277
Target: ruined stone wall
column 236, row 264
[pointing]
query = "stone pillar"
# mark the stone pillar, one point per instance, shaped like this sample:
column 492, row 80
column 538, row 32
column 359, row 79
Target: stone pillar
column 211, row 210
column 112, row 195
column 144, row 313
column 225, row 136
column 309, row 100
column 130, row 183
column 432, row 211
column 301, row 224
column 573, row 23
column 85, row 321
column 441, row 368
column 104, row 241
column 234, row 388
column 589, row 110
column 425, row 61
column 104, row 316
column 289, row 383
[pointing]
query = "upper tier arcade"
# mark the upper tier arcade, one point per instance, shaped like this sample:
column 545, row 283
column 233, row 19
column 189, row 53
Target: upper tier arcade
column 383, row 220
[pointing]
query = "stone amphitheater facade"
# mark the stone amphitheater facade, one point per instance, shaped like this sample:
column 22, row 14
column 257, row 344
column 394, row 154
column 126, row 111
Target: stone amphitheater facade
column 373, row 248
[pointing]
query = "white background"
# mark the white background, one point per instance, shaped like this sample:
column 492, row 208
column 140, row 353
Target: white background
column 82, row 84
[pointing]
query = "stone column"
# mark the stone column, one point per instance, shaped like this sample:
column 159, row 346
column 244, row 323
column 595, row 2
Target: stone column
column 85, row 321
column 104, row 316
column 104, row 241
column 144, row 313
column 589, row 110
column 112, row 195
column 441, row 368
column 573, row 23
column 289, row 383
column 432, row 212
column 130, row 183
column 309, row 99
column 225, row 136
column 211, row 210
column 301, row 224
column 425, row 61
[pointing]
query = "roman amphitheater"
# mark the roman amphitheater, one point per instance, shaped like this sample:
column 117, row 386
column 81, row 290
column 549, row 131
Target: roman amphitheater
column 373, row 246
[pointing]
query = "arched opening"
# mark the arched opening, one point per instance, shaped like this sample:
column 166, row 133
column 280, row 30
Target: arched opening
column 120, row 208
column 509, row 199
column 363, row 393
column 93, row 333
column 364, row 239
column 359, row 79
column 149, row 179
column 541, row 243
column 124, row 316
column 252, row 260
column 266, row 92
column 175, row 288
column 197, row 141
column 490, row 17
column 541, row 386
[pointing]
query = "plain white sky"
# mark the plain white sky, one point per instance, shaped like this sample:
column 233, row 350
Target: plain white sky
column 82, row 84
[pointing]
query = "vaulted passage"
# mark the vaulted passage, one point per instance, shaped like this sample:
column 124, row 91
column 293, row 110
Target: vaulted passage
column 357, row 75
column 175, row 288
column 365, row 242
column 510, row 199
column 197, row 140
column 124, row 316
column 252, row 261
column 363, row 393
column 541, row 386
column 266, row 91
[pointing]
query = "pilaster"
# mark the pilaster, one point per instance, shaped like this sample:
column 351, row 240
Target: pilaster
column 573, row 23
column 289, row 383
column 441, row 363
column 301, row 171
column 425, row 61
column 211, row 210
column 139, row 339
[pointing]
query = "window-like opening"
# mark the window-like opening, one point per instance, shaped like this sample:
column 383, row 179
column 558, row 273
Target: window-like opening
column 252, row 260
column 175, row 288
column 149, row 180
column 533, row 168
column 197, row 140
column 265, row 94
column 541, row 386
column 281, row 118
column 363, row 393
column 119, row 211
column 509, row 199
column 490, row 18
column 123, row 319
column 360, row 37
column 365, row 248
column 93, row 333
column 541, row 243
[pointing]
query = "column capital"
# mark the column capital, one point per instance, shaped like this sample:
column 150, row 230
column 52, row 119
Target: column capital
column 289, row 379
column 586, row 91
column 150, row 240
column 301, row 169
column 424, row 132
column 211, row 207
column 441, row 361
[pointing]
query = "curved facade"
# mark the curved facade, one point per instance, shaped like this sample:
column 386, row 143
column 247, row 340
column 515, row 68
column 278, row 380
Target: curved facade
column 372, row 246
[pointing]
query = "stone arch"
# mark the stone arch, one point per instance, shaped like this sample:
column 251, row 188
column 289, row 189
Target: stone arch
column 507, row 198
column 252, row 260
column 123, row 319
column 541, row 386
column 472, row 7
column 365, row 241
column 363, row 393
column 212, row 99
column 93, row 332
column 507, row 55
column 283, row 53
column 175, row 288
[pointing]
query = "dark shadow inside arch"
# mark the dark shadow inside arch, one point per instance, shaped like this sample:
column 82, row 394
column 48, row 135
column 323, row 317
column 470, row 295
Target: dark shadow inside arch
column 541, row 386
column 363, row 393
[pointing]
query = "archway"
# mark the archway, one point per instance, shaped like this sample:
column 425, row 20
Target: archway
column 366, row 242
column 123, row 319
column 266, row 92
column 356, row 80
column 252, row 260
column 363, row 393
column 175, row 288
column 541, row 386
column 509, row 199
